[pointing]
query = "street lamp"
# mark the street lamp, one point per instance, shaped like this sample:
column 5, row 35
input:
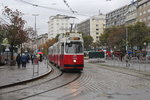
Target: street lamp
column 35, row 15
column 126, row 39
column 134, row 7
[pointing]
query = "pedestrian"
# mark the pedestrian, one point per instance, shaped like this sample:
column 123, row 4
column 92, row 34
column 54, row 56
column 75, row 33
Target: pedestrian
column 18, row 60
column 24, row 60
column 32, row 57
column 127, row 59
column 38, row 56
column 41, row 57
column 28, row 58
column 121, row 56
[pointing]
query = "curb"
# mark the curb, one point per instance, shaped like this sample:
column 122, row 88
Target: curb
column 28, row 80
column 126, row 68
column 125, row 71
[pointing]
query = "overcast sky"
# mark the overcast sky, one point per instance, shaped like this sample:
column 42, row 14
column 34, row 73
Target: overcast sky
column 84, row 8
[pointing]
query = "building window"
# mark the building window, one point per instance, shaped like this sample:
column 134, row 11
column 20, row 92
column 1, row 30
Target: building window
column 140, row 7
column 144, row 19
column 140, row 13
column 97, row 33
column 148, row 18
column 148, row 3
column 148, row 10
column 96, row 24
column 97, row 37
column 97, row 29
column 149, row 25
column 140, row 20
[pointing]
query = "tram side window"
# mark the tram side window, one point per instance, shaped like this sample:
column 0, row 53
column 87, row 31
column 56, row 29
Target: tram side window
column 62, row 48
column 79, row 48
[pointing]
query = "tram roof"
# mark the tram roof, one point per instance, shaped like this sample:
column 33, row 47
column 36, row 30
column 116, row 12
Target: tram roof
column 71, row 36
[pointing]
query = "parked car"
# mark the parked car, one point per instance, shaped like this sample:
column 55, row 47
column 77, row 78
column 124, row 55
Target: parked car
column 148, row 56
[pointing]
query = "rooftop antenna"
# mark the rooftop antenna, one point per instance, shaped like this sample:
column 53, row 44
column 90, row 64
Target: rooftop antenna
column 100, row 12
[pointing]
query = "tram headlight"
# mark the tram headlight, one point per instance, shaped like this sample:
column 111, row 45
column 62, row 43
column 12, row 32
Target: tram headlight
column 74, row 61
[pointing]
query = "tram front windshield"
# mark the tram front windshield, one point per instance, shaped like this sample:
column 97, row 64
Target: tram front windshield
column 74, row 47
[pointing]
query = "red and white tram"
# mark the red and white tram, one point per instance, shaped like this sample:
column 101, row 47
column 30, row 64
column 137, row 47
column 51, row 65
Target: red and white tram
column 67, row 53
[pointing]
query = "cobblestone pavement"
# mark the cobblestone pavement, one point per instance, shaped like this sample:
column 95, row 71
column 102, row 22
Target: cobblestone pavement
column 99, row 83
column 11, row 75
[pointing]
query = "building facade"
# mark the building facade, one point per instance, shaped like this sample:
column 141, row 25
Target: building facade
column 131, row 14
column 58, row 24
column 93, row 26
column 116, row 17
column 42, row 39
column 143, row 11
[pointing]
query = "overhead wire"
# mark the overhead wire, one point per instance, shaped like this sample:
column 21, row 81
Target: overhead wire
column 60, row 10
column 36, row 5
column 69, row 6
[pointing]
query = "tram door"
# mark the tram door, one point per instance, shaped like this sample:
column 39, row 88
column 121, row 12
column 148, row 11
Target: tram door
column 62, row 55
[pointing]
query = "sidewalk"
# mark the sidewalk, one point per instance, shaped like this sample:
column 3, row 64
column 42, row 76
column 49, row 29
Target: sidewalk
column 12, row 75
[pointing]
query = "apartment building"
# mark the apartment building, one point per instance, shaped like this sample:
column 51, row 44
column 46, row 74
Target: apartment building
column 116, row 17
column 93, row 26
column 143, row 11
column 58, row 24
column 131, row 14
column 42, row 39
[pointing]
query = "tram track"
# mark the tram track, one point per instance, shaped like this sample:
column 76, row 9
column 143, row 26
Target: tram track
column 53, row 88
column 101, row 87
column 42, row 87
column 53, row 75
column 124, row 71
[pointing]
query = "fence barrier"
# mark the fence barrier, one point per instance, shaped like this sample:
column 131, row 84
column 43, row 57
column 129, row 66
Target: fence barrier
column 134, row 63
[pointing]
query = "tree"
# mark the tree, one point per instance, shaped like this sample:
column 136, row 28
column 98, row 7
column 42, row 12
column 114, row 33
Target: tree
column 103, row 39
column 138, row 34
column 48, row 43
column 15, row 32
column 133, row 35
column 113, row 38
column 88, row 40
column 2, row 33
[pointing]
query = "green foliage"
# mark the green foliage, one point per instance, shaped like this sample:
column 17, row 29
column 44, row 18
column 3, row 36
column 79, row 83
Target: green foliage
column 14, row 31
column 116, row 37
column 138, row 34
column 2, row 33
column 113, row 38
column 88, row 40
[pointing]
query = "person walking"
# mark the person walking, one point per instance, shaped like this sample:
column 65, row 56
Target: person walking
column 127, row 60
column 18, row 60
column 32, row 57
column 121, row 56
column 24, row 60
column 41, row 57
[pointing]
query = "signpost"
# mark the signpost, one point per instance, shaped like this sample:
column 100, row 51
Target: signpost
column 35, row 62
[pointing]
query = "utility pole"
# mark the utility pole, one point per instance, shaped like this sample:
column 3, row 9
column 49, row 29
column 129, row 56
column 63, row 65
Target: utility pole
column 126, row 39
column 35, row 15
